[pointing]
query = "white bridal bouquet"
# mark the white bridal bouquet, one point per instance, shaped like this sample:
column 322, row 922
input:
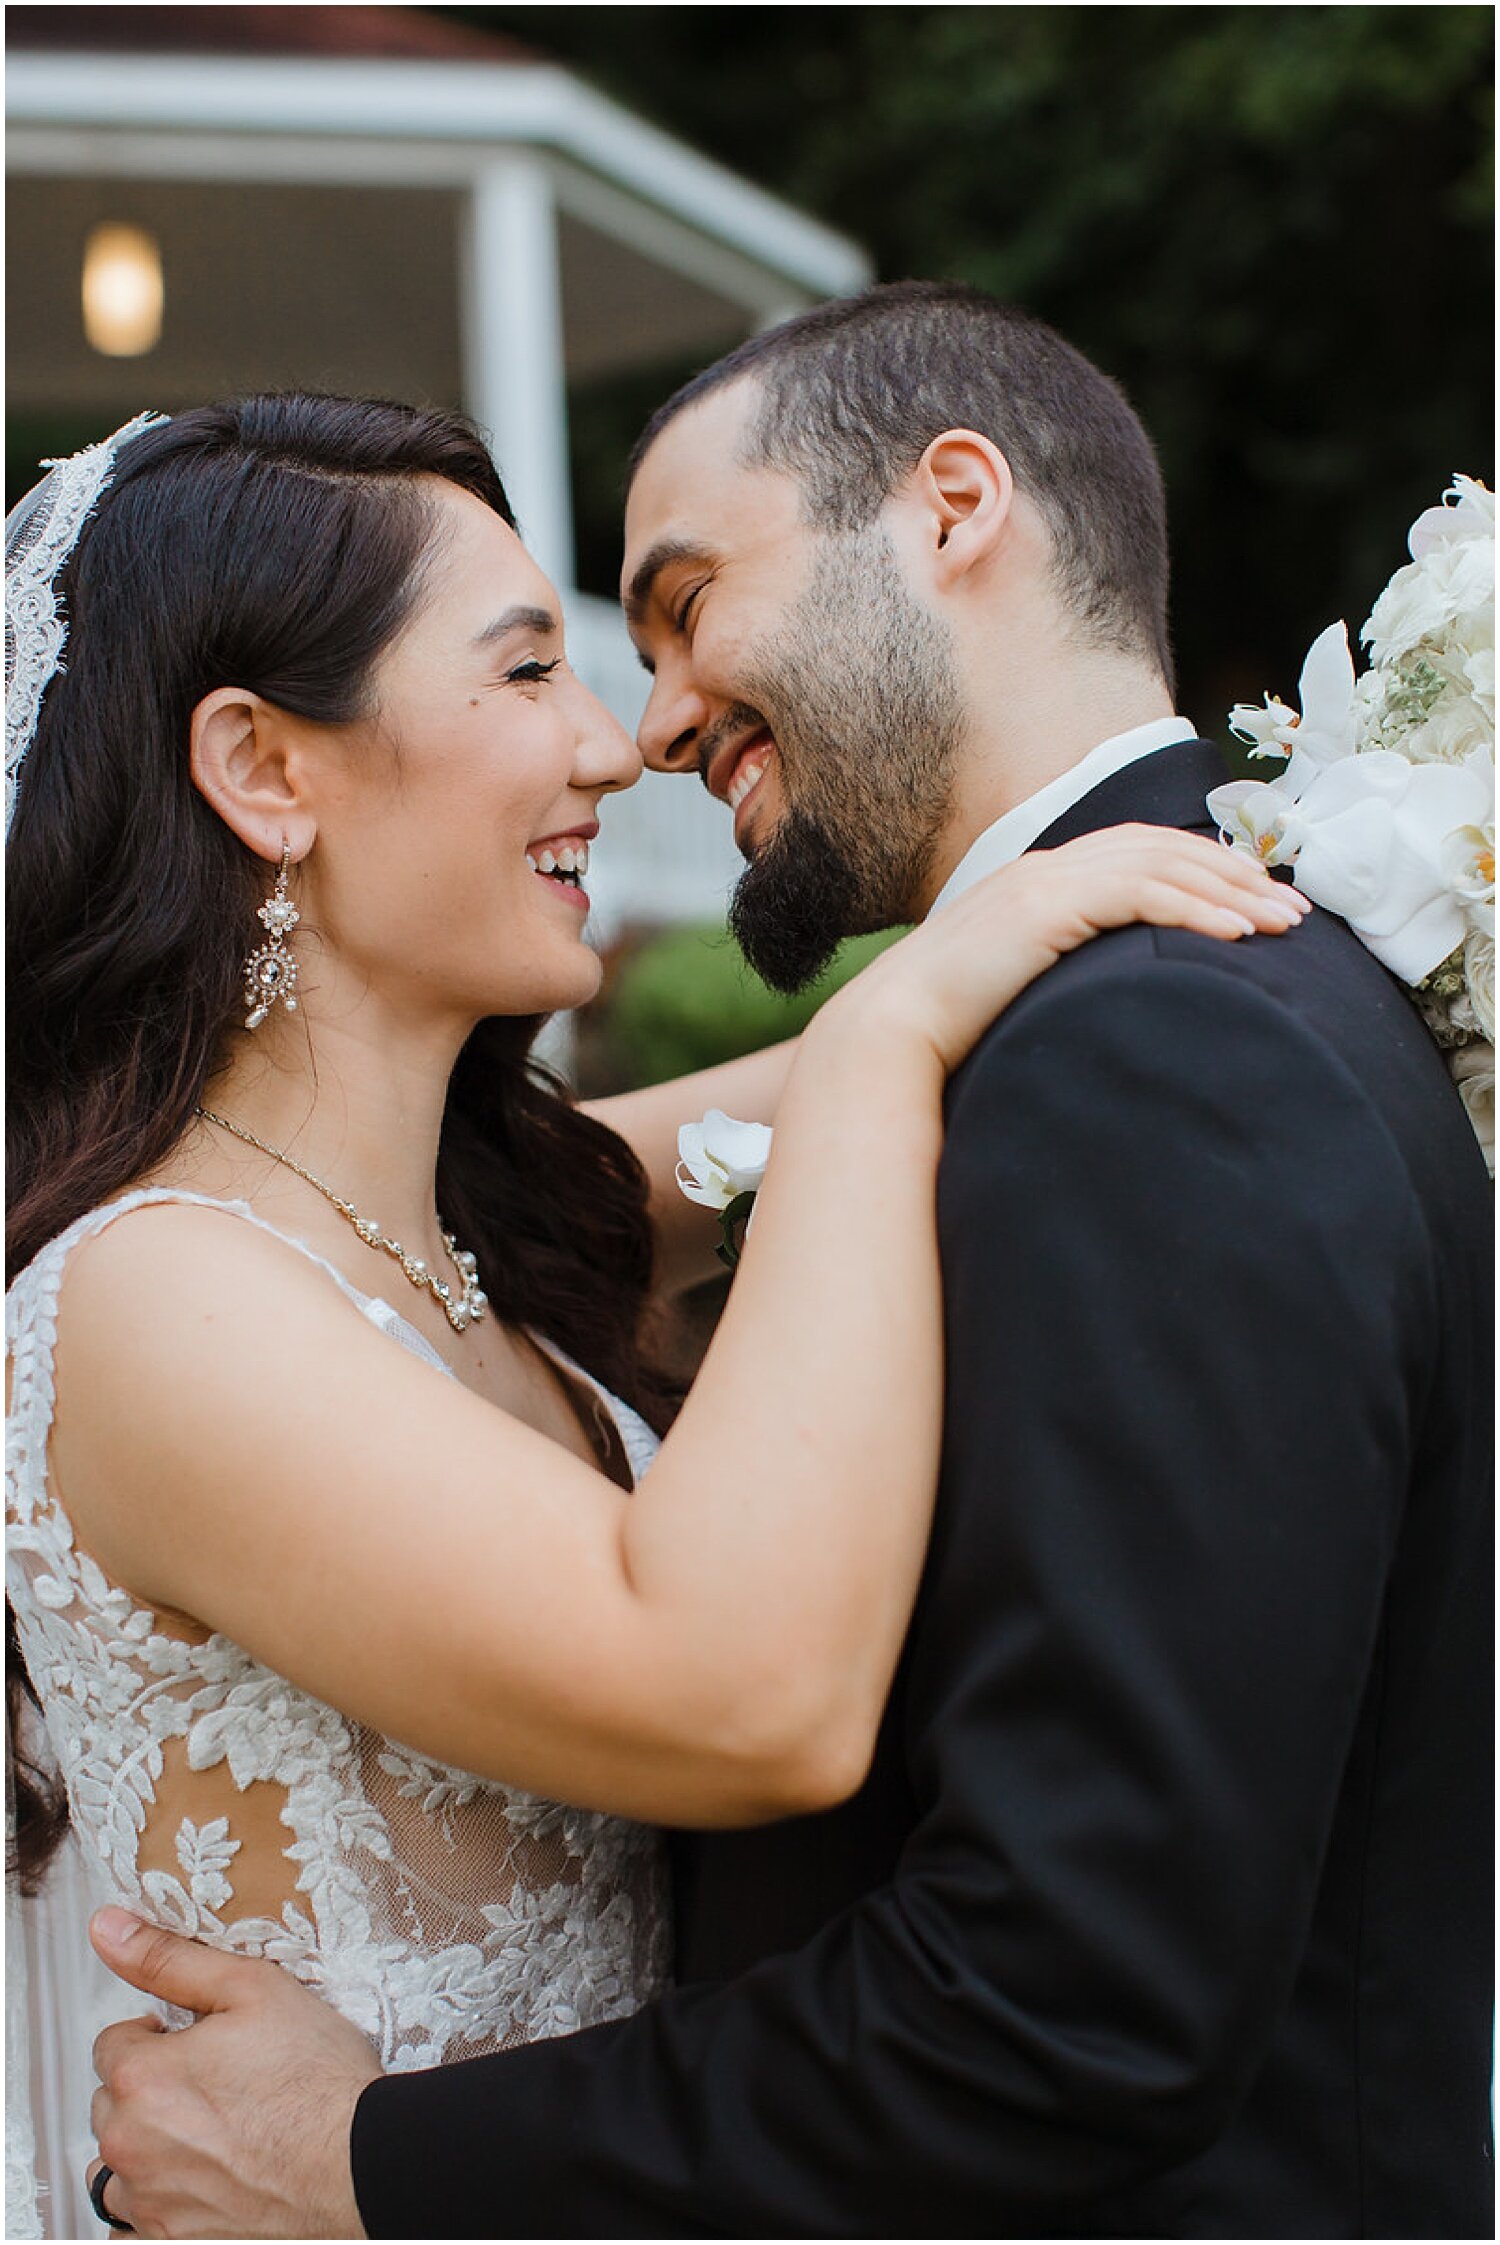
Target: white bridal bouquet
column 1386, row 807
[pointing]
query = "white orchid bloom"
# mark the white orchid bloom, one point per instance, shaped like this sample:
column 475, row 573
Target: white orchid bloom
column 1323, row 731
column 1468, row 860
column 1326, row 692
column 1467, row 511
column 1252, row 814
column 719, row 1158
column 1268, row 731
column 1368, row 840
column 1386, row 807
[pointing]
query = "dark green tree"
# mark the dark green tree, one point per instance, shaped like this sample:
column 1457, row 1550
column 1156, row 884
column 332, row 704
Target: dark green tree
column 1272, row 224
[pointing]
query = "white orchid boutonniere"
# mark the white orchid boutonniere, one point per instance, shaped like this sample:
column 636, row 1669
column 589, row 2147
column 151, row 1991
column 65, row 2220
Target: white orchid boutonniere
column 1386, row 808
column 720, row 1165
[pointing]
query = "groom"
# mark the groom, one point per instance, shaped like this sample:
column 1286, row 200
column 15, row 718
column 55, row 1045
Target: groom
column 1165, row 1908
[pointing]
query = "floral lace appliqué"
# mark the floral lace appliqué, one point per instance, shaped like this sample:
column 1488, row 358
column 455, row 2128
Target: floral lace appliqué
column 445, row 1915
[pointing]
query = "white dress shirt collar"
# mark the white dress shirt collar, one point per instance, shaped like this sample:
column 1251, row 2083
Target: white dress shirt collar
column 1014, row 832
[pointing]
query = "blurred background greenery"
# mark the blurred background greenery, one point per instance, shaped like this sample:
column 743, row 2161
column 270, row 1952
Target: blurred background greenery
column 1272, row 224
column 684, row 998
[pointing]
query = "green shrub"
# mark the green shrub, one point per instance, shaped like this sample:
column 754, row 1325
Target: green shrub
column 687, row 1000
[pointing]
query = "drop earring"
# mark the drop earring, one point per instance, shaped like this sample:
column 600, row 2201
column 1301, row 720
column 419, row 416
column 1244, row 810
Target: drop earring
column 271, row 971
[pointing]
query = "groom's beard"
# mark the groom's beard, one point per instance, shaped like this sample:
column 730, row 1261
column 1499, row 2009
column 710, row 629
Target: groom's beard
column 861, row 694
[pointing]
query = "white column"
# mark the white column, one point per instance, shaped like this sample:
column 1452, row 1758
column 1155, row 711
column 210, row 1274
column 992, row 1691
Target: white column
column 513, row 341
column 515, row 383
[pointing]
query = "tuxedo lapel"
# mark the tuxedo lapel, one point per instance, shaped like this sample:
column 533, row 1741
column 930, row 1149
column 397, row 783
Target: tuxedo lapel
column 1167, row 788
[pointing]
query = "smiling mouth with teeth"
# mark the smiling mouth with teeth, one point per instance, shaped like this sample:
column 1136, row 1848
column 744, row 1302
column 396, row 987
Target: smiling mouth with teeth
column 749, row 776
column 750, row 771
column 566, row 865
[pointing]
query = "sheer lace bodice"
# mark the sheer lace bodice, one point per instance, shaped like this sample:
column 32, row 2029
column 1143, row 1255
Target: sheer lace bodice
column 445, row 1915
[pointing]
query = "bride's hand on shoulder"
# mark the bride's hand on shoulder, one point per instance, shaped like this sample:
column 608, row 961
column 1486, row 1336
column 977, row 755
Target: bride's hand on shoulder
column 945, row 982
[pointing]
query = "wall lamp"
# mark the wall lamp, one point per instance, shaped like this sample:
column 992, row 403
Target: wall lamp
column 122, row 290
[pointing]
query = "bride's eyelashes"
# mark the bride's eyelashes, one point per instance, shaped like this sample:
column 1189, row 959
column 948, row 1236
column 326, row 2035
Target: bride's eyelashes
column 532, row 672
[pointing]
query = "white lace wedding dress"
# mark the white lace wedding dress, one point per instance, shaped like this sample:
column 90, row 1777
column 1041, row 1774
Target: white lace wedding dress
column 445, row 1915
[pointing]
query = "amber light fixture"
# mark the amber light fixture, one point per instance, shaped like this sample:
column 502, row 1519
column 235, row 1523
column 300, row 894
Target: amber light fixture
column 122, row 290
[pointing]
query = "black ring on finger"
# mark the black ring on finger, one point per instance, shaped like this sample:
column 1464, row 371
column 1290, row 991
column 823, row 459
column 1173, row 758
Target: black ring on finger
column 96, row 2200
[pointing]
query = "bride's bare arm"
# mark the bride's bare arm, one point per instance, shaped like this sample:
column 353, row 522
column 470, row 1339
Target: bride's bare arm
column 233, row 1444
column 649, row 1120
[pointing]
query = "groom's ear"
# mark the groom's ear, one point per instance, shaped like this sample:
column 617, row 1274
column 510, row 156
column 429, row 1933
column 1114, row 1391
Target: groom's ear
column 966, row 492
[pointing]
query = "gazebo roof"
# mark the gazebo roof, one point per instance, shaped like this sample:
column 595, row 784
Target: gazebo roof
column 402, row 34
column 336, row 94
column 384, row 201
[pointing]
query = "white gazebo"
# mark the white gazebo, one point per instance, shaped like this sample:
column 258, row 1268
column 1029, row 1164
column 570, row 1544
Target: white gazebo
column 379, row 199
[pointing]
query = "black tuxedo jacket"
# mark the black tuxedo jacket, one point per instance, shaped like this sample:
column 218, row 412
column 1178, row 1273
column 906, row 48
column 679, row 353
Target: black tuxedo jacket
column 1166, row 1909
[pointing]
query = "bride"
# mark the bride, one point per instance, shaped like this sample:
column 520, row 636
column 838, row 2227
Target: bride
column 328, row 1316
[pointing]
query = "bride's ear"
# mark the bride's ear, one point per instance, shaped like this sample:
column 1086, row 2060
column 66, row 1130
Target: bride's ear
column 241, row 767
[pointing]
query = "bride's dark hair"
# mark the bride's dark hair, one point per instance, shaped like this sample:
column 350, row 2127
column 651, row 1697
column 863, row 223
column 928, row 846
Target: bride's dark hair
column 274, row 543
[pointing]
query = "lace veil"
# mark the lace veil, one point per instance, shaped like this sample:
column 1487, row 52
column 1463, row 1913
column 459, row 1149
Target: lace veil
column 41, row 531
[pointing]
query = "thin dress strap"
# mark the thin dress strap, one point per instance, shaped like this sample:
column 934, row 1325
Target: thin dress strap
column 31, row 1302
column 31, row 1319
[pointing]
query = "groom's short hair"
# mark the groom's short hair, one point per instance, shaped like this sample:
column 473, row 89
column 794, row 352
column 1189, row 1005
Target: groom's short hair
column 854, row 391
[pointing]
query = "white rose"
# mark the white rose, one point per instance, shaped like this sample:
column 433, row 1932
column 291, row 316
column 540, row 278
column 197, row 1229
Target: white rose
column 1451, row 584
column 1479, row 973
column 1456, row 1021
column 1474, row 629
column 1479, row 676
column 719, row 1158
column 1472, row 1068
column 1466, row 574
column 1409, row 610
column 1454, row 728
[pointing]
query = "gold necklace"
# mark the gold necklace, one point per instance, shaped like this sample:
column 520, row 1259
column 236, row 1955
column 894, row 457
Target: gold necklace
column 461, row 1312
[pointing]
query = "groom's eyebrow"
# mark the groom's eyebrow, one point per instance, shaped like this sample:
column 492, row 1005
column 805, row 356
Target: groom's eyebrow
column 662, row 555
column 516, row 619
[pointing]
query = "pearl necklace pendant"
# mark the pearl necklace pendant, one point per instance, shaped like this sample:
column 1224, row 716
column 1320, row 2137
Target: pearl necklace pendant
column 462, row 1309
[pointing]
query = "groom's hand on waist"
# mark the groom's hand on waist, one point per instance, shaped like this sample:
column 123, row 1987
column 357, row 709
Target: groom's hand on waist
column 238, row 2126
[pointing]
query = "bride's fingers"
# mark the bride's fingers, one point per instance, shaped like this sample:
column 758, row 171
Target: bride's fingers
column 1199, row 898
column 1170, row 891
column 1195, row 859
column 948, row 978
column 1132, row 868
column 1199, row 861
column 1173, row 905
column 1269, row 906
column 1270, row 902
